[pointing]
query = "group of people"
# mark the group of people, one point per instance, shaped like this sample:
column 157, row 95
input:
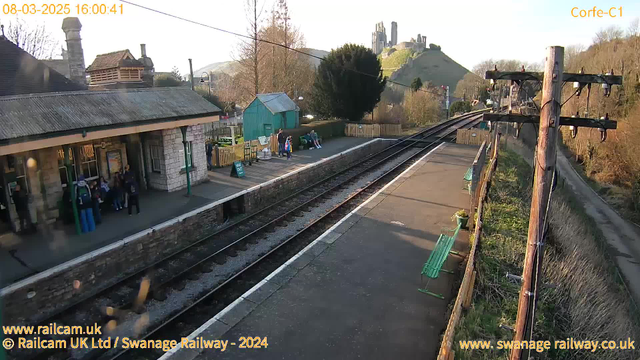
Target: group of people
column 121, row 193
column 285, row 142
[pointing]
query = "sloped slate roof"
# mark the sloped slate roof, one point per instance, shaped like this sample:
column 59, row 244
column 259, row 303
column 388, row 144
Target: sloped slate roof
column 114, row 60
column 21, row 73
column 277, row 102
column 46, row 115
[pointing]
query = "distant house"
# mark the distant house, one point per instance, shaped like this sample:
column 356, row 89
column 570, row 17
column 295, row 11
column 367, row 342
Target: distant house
column 269, row 112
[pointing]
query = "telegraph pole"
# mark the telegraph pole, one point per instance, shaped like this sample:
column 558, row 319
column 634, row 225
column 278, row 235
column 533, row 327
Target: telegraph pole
column 544, row 169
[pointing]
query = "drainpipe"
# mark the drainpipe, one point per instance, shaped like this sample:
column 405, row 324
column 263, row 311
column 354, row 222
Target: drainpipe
column 72, row 188
column 186, row 161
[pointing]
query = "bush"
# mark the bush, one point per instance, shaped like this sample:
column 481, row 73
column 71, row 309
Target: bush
column 460, row 107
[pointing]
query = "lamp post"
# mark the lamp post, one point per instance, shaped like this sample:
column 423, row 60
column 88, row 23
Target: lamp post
column 183, row 129
column 208, row 81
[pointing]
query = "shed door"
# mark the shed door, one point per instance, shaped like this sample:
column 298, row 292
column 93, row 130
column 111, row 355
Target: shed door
column 267, row 130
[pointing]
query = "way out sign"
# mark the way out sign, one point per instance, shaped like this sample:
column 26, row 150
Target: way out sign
column 237, row 170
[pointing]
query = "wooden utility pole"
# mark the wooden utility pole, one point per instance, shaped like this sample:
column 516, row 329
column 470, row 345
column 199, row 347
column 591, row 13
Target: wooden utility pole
column 544, row 169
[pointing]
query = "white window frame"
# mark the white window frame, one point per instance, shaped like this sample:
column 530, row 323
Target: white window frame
column 155, row 154
column 189, row 155
column 88, row 163
column 72, row 161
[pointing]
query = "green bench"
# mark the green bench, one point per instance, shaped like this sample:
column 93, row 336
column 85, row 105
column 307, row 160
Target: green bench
column 307, row 144
column 468, row 176
column 438, row 256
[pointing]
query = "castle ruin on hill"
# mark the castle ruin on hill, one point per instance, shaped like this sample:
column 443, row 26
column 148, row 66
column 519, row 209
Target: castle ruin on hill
column 379, row 40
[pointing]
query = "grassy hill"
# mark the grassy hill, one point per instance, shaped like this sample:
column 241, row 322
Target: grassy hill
column 429, row 65
column 394, row 61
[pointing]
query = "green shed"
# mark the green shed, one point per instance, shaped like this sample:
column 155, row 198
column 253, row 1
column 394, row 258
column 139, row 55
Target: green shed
column 267, row 113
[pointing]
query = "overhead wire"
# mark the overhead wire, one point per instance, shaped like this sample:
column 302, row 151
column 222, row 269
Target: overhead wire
column 266, row 42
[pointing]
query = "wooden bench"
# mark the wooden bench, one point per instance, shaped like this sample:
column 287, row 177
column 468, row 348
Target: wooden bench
column 438, row 256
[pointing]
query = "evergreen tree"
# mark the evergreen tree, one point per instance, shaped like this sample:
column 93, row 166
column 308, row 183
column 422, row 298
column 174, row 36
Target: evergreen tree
column 416, row 84
column 348, row 83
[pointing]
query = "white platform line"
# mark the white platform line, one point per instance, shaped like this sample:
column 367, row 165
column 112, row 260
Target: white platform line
column 243, row 297
column 132, row 238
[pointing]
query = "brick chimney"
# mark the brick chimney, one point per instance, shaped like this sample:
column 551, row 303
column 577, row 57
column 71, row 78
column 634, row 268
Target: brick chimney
column 71, row 27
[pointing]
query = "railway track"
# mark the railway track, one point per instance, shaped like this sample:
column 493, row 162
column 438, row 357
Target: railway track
column 174, row 272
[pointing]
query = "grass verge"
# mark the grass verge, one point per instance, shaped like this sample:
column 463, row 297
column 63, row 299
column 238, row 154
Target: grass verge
column 587, row 302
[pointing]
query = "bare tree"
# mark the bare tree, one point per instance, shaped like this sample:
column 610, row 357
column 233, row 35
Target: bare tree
column 611, row 33
column 634, row 28
column 571, row 53
column 35, row 40
column 250, row 52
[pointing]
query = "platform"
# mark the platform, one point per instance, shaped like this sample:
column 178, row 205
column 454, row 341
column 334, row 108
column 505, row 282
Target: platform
column 24, row 255
column 353, row 292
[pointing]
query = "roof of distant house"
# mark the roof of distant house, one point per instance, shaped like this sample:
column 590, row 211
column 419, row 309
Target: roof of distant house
column 21, row 73
column 57, row 114
column 277, row 102
column 122, row 58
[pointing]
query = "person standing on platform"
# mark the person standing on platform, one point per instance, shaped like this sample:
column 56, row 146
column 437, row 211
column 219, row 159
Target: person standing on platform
column 281, row 141
column 287, row 147
column 21, row 201
column 132, row 190
column 85, row 205
column 209, row 151
column 117, row 192
column 96, row 201
column 128, row 178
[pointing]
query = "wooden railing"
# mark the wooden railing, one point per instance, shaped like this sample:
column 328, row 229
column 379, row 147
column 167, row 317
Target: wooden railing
column 372, row 130
column 465, row 293
column 225, row 156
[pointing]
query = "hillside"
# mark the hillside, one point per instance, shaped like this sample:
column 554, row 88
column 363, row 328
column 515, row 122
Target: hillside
column 430, row 65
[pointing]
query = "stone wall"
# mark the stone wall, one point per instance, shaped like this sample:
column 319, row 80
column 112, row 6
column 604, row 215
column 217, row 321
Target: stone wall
column 37, row 297
column 174, row 157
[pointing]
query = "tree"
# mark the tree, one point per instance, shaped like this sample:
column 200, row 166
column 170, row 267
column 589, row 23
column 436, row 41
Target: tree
column 611, row 33
column 35, row 40
column 348, row 83
column 422, row 107
column 164, row 80
column 471, row 86
column 416, row 84
column 251, row 51
column 460, row 107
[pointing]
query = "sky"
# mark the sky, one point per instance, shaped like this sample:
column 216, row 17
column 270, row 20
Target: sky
column 468, row 31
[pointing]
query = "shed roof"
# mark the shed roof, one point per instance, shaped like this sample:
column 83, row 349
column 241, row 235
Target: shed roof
column 277, row 102
column 52, row 114
column 21, row 73
column 122, row 58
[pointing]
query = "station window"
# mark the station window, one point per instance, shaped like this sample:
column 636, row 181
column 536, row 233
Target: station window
column 189, row 155
column 21, row 172
column 63, row 170
column 156, row 156
column 88, row 162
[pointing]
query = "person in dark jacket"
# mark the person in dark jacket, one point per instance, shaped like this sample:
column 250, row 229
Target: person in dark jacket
column 127, row 177
column 96, row 201
column 209, row 151
column 132, row 190
column 21, row 201
column 117, row 191
column 282, row 139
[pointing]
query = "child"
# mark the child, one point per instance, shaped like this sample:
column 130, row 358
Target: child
column 287, row 147
column 117, row 192
column 96, row 201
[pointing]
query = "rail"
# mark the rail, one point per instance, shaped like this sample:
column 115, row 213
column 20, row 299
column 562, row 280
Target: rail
column 400, row 146
column 447, row 131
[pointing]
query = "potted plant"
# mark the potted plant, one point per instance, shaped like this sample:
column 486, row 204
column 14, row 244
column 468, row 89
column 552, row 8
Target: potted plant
column 461, row 217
